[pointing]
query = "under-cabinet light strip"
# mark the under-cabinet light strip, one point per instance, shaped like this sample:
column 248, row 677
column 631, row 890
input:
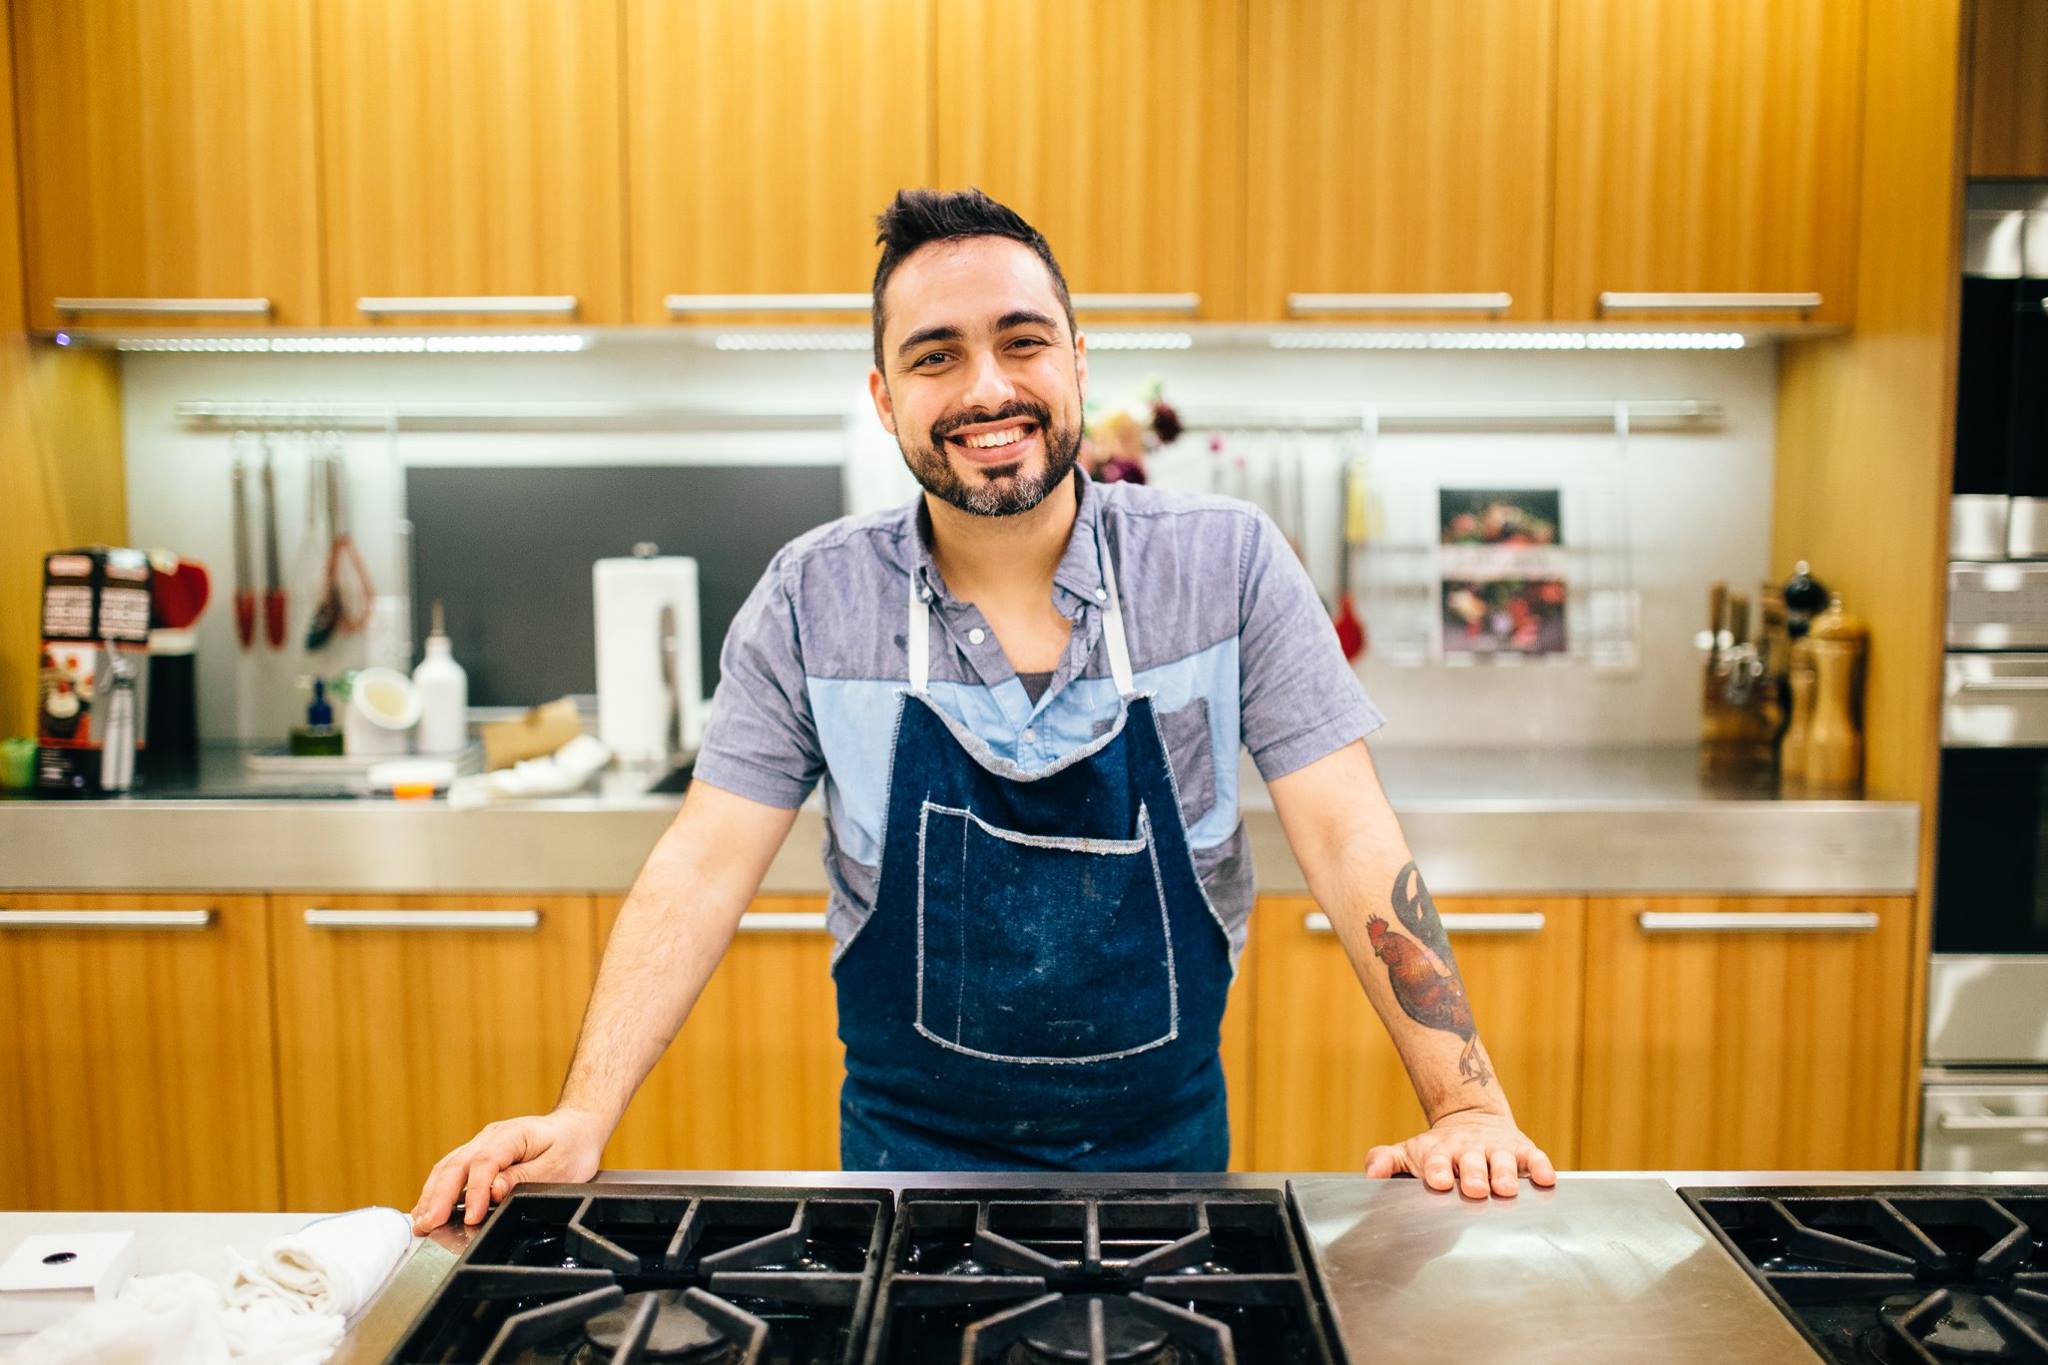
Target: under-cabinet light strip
column 1477, row 340
column 354, row 345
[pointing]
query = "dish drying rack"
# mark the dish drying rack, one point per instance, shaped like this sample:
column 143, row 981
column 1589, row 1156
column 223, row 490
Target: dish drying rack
column 1357, row 490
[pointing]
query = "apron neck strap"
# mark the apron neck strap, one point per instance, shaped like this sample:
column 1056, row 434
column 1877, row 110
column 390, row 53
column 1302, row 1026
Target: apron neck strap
column 918, row 641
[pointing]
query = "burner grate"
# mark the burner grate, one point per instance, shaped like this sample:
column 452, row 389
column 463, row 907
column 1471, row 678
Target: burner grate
column 1904, row 1276
column 1033, row 1276
column 597, row 1273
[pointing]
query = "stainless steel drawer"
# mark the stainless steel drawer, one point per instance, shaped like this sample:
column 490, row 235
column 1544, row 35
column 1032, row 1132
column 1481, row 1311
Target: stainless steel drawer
column 1990, row 1126
column 1987, row 1009
column 1997, row 606
column 1994, row 701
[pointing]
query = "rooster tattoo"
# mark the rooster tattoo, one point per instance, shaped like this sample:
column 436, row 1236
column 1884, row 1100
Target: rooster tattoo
column 1420, row 970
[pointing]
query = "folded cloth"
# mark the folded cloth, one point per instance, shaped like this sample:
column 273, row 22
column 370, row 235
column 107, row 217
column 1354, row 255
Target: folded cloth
column 154, row 1320
column 331, row 1265
column 288, row 1307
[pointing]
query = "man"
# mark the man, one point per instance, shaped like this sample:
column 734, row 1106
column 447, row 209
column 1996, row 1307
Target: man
column 1025, row 693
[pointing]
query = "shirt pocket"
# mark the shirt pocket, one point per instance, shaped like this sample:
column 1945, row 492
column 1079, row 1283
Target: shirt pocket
column 1041, row 948
column 1190, row 753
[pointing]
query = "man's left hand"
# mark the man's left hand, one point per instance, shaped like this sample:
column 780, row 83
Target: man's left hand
column 1478, row 1151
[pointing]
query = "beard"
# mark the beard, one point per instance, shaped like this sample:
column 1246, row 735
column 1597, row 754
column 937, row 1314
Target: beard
column 995, row 490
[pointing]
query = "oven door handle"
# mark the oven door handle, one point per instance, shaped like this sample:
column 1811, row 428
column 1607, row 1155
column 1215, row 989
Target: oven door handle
column 2002, row 685
column 1999, row 1123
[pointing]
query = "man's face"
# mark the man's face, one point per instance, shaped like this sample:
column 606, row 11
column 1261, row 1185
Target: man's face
column 982, row 377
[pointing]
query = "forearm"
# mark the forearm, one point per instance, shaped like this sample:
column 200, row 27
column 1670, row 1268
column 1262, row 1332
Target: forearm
column 1376, row 879
column 676, row 924
column 1356, row 860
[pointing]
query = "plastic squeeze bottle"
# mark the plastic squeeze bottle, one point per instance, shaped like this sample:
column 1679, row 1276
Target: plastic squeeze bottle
column 444, row 695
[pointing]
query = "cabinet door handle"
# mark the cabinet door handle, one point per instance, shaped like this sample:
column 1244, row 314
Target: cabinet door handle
column 1455, row 922
column 183, row 307
column 564, row 304
column 1189, row 304
column 2004, row 1123
column 783, row 922
column 2002, row 685
column 1708, row 302
column 1399, row 303
column 679, row 305
column 1742, row 922
column 105, row 919
column 423, row 919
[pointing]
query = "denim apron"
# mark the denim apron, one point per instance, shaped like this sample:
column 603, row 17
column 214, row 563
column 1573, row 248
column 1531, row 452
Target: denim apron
column 1041, row 982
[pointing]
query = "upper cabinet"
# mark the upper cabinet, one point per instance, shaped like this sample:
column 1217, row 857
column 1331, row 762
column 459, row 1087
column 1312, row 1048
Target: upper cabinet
column 2008, row 91
column 1400, row 159
column 1116, row 128
column 167, row 151
column 761, row 141
column 1706, row 159
column 470, row 162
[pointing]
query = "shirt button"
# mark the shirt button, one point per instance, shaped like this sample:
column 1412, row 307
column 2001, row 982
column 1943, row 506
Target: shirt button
column 1102, row 594
column 1030, row 736
column 976, row 636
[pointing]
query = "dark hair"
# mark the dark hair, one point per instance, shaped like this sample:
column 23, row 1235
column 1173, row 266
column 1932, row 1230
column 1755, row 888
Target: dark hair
column 917, row 218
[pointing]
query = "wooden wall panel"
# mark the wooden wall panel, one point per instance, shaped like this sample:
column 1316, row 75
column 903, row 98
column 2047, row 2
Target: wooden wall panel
column 136, row 1069
column 2009, row 89
column 62, row 483
column 1115, row 126
column 1706, row 146
column 1731, row 1050
column 1866, row 422
column 763, row 138
column 1400, row 147
column 472, row 147
column 167, row 149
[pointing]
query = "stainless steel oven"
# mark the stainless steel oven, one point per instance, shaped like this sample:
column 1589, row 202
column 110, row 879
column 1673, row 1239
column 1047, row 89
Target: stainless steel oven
column 1985, row 1087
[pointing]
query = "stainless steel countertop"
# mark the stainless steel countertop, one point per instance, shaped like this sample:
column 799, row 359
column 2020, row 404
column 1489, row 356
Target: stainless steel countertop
column 1606, row 1267
column 1482, row 822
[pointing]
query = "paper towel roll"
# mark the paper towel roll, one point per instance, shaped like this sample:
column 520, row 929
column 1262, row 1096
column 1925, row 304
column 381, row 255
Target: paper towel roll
column 649, row 663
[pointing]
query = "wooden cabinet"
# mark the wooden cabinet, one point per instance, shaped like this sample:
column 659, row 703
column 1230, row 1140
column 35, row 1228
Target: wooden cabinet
column 1116, row 128
column 471, row 155
column 136, row 1069
column 752, row 1081
column 406, row 1023
column 1755, row 1033
column 761, row 141
column 12, row 318
column 1327, row 1080
column 1400, row 159
column 167, row 151
column 2008, row 100
column 1706, row 150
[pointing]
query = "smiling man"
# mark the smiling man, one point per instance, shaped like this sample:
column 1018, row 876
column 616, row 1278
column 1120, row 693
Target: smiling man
column 1025, row 694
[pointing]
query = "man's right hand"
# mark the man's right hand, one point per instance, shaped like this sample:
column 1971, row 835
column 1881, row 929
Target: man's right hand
column 562, row 1146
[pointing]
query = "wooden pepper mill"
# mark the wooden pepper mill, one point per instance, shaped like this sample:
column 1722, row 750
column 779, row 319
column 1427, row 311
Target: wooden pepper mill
column 1834, row 739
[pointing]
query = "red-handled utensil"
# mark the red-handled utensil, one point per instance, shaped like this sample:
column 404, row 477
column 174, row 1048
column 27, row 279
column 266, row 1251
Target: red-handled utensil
column 273, row 569
column 245, row 590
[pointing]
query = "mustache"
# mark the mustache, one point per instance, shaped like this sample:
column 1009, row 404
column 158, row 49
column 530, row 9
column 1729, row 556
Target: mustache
column 1037, row 412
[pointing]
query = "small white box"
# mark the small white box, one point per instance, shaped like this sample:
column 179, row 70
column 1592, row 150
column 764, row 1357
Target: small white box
column 51, row 1276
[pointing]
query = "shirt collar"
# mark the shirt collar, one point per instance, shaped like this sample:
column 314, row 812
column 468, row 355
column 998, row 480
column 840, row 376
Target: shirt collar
column 1079, row 570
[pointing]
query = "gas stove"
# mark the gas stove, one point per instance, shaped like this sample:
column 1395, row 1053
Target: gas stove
column 721, row 1275
column 1896, row 1274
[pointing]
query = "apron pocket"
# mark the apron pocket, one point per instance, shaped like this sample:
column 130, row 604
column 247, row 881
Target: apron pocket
column 1041, row 949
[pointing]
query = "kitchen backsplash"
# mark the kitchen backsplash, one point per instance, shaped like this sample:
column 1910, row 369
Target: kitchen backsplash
column 1642, row 526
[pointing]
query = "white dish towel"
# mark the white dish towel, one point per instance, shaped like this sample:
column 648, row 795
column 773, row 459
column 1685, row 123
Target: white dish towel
column 288, row 1307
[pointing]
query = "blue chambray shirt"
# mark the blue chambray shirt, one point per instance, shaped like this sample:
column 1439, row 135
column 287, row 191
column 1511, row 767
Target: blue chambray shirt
column 1225, row 630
